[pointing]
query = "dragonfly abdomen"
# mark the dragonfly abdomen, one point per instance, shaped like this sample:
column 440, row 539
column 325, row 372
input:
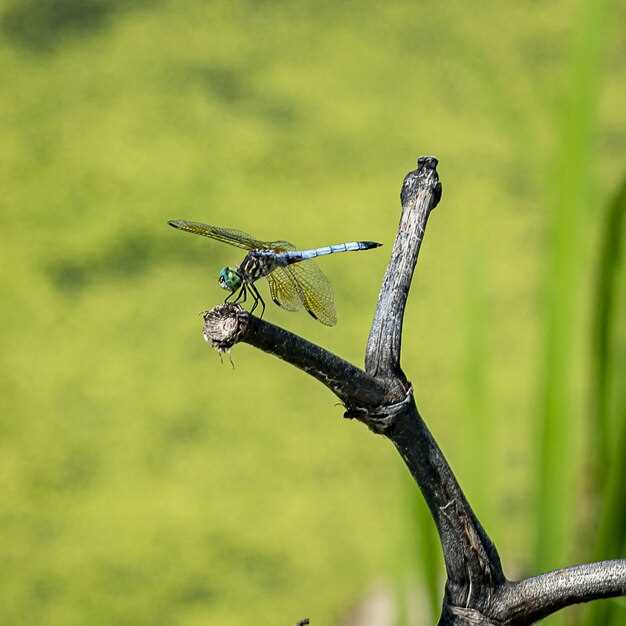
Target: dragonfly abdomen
column 293, row 256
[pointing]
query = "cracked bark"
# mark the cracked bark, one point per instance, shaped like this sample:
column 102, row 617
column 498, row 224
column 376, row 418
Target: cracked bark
column 477, row 591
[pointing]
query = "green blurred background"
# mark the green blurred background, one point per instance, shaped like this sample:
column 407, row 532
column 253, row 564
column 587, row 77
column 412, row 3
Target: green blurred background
column 142, row 482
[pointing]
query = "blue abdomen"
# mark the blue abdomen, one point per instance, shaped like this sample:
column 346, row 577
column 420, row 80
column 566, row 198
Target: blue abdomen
column 352, row 246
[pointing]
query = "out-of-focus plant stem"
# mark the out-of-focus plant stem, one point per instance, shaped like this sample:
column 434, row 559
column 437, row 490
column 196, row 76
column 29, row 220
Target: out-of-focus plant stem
column 608, row 401
column 570, row 187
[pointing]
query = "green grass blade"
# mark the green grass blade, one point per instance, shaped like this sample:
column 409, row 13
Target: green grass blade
column 603, row 377
column 427, row 561
column 475, row 424
column 608, row 401
column 429, row 554
column 571, row 185
column 611, row 536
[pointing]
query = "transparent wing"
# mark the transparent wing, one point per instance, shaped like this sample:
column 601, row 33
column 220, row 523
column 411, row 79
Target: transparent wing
column 231, row 236
column 314, row 290
column 280, row 246
column 284, row 290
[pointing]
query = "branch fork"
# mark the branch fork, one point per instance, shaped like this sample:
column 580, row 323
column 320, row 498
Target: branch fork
column 477, row 591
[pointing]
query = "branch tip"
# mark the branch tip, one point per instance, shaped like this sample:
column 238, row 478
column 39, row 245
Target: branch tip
column 224, row 325
column 419, row 194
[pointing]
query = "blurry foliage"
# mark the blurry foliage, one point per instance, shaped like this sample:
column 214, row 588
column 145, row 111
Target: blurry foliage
column 570, row 189
column 44, row 25
column 126, row 256
column 142, row 482
column 234, row 88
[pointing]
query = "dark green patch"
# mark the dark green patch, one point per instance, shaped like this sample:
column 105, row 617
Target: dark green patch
column 194, row 592
column 41, row 25
column 126, row 257
column 227, row 84
column 44, row 589
column 72, row 471
column 188, row 428
column 234, row 87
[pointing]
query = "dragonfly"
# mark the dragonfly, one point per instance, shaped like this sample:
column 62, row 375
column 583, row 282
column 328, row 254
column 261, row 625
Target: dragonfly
column 295, row 281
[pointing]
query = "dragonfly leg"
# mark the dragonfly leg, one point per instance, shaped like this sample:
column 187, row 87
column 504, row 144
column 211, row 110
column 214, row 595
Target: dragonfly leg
column 258, row 299
column 254, row 293
column 242, row 293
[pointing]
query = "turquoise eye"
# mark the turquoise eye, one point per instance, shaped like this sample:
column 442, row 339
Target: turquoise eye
column 229, row 279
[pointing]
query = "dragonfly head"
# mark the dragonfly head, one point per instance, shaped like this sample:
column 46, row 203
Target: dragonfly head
column 229, row 278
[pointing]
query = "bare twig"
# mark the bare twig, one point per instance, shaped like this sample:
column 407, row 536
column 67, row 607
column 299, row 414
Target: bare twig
column 477, row 591
column 531, row 599
column 421, row 192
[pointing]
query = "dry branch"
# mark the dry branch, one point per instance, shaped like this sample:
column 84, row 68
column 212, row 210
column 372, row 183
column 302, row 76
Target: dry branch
column 477, row 592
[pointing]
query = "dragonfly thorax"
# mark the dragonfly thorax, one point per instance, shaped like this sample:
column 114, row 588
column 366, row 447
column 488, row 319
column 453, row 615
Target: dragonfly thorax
column 230, row 278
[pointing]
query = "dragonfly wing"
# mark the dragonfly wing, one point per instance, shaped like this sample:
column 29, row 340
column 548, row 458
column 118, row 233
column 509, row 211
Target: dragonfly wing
column 230, row 235
column 227, row 235
column 279, row 246
column 314, row 290
column 283, row 289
